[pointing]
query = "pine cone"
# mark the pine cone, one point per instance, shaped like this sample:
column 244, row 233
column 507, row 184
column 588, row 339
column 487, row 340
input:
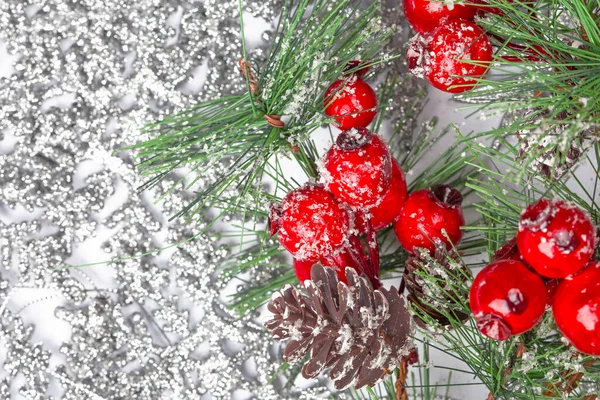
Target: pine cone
column 421, row 295
column 359, row 332
column 548, row 163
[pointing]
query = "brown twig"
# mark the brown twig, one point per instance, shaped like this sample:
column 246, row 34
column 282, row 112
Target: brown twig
column 401, row 393
column 521, row 350
column 245, row 67
column 247, row 73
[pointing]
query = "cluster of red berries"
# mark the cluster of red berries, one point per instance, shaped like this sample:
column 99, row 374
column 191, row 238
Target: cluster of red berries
column 449, row 50
column 548, row 263
column 362, row 190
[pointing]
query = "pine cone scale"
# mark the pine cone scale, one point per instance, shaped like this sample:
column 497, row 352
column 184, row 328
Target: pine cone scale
column 319, row 355
column 296, row 349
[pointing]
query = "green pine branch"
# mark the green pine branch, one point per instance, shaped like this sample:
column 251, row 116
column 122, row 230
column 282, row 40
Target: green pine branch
column 547, row 365
column 546, row 73
column 227, row 142
column 452, row 166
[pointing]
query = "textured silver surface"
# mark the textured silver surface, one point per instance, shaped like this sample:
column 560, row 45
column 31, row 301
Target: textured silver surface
column 87, row 75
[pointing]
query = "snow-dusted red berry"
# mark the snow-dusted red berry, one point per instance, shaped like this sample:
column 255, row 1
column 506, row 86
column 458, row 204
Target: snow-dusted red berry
column 311, row 223
column 358, row 168
column 452, row 57
column 507, row 299
column 556, row 238
column 352, row 102
column 426, row 214
column 426, row 15
column 510, row 251
column 389, row 209
column 576, row 309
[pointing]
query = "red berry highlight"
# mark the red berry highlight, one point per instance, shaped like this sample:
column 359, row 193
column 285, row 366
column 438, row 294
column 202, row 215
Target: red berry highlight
column 386, row 212
column 358, row 168
column 556, row 238
column 352, row 102
column 426, row 214
column 426, row 15
column 576, row 309
column 311, row 223
column 444, row 56
column 507, row 299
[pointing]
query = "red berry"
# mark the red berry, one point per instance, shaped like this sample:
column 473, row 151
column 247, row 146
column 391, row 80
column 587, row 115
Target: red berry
column 352, row 102
column 510, row 251
column 507, row 299
column 302, row 269
column 577, row 309
column 389, row 209
column 556, row 238
column 428, row 212
column 311, row 223
column 551, row 287
column 342, row 260
column 426, row 15
column 438, row 56
column 348, row 257
column 360, row 72
column 358, row 168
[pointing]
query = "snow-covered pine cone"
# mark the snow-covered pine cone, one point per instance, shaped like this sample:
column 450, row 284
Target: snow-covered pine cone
column 422, row 295
column 358, row 332
column 549, row 133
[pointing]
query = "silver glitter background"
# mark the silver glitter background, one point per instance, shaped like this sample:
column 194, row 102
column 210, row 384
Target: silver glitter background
column 86, row 75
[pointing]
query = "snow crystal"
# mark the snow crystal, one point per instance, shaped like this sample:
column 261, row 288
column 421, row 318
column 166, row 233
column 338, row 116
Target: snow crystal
column 546, row 248
column 587, row 317
column 500, row 306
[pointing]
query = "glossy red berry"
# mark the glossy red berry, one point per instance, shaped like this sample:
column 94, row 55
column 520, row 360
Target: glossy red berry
column 551, row 288
column 350, row 256
column 358, row 168
column 507, row 299
column 510, row 251
column 576, row 309
column 426, row 15
column 426, row 214
column 452, row 57
column 352, row 102
column 339, row 263
column 556, row 238
column 389, row 209
column 361, row 69
column 302, row 269
column 311, row 223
